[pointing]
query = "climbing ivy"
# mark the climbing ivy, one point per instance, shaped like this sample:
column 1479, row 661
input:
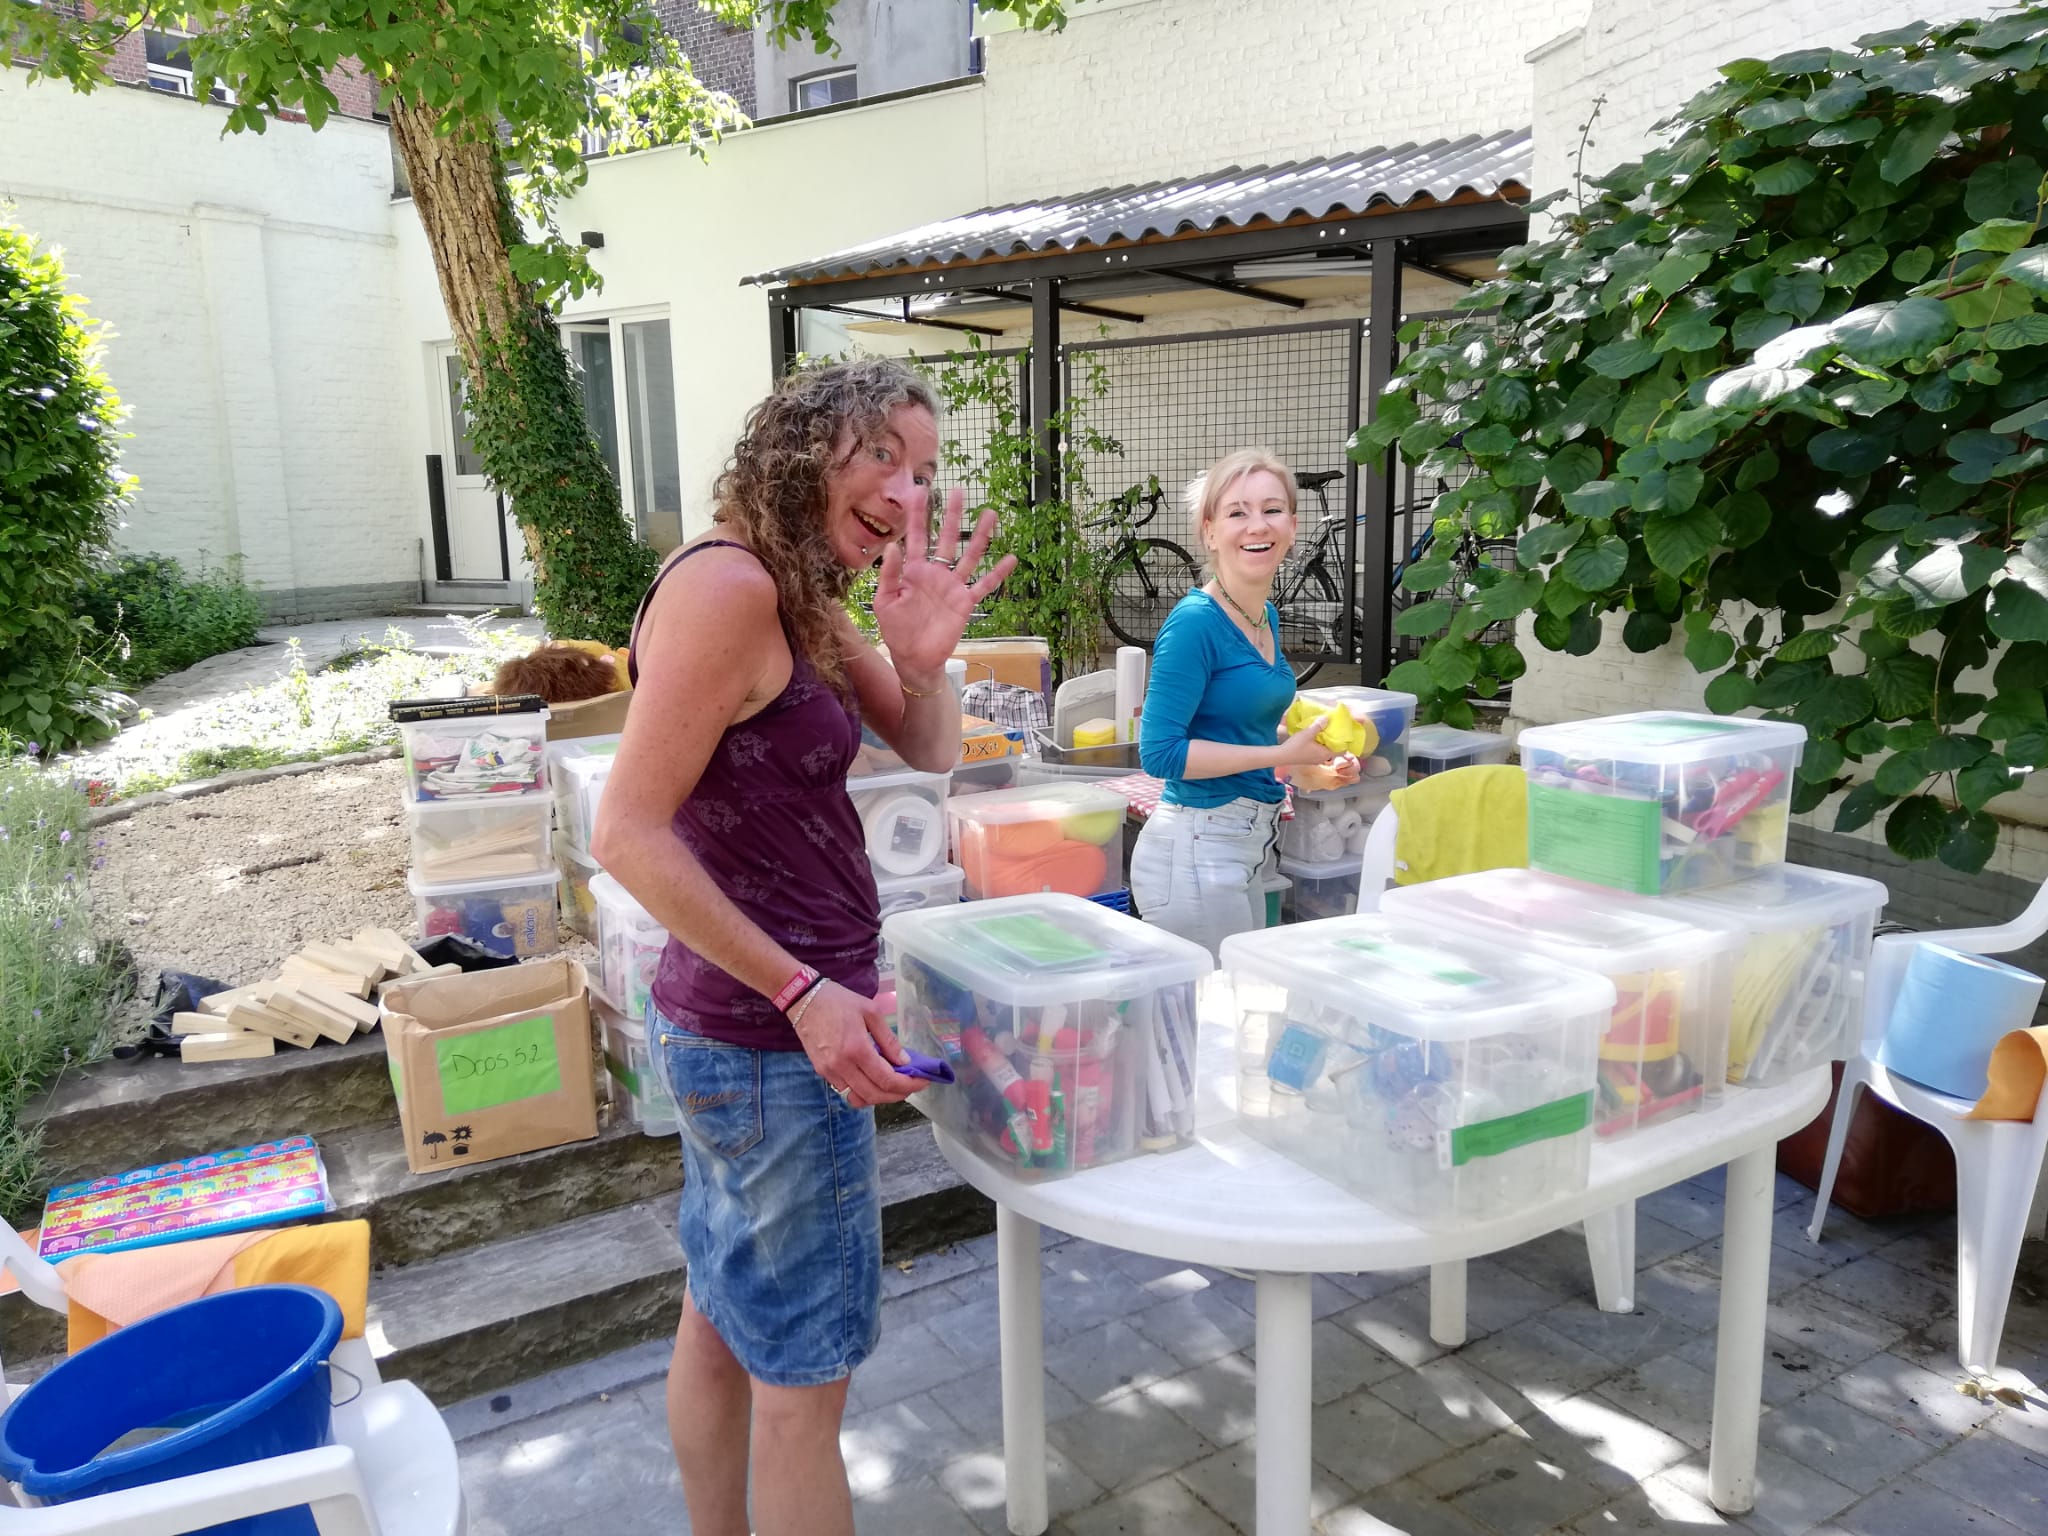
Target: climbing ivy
column 1779, row 391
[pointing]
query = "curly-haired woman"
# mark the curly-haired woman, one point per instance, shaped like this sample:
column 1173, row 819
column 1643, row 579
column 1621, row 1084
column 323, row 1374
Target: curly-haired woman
column 727, row 816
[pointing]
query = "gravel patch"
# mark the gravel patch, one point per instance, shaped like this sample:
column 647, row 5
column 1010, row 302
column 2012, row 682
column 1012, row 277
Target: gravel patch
column 228, row 885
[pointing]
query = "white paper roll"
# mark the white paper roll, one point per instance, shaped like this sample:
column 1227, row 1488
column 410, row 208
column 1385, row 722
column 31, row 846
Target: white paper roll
column 905, row 834
column 1349, row 825
column 1130, row 690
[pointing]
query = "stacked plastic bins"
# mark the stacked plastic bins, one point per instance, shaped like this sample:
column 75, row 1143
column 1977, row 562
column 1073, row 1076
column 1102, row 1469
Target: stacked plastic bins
column 1664, row 1050
column 578, row 770
column 629, row 944
column 1071, row 1029
column 1440, row 748
column 476, row 791
column 1066, row 838
column 1443, row 1078
column 1322, row 843
column 903, row 817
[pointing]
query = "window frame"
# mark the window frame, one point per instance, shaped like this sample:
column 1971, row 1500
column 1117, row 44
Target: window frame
column 169, row 79
column 848, row 72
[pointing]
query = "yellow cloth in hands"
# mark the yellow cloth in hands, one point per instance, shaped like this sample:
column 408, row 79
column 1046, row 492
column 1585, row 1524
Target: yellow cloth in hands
column 2019, row 1063
column 1461, row 822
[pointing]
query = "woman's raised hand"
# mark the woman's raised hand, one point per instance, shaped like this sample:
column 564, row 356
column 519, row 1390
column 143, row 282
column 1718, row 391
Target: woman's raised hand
column 922, row 604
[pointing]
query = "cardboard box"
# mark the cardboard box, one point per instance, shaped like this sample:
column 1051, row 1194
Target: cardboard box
column 1023, row 662
column 489, row 1063
column 604, row 715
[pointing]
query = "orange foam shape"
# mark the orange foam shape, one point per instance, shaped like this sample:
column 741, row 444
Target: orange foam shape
column 1075, row 868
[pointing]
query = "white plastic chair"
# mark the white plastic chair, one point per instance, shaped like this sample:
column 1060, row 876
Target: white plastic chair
column 1610, row 1235
column 391, row 1471
column 1998, row 1162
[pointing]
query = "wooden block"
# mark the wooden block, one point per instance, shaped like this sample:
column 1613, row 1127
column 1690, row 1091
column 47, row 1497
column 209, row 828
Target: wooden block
column 360, row 1014
column 343, row 960
column 298, row 969
column 198, row 1024
column 293, row 1005
column 221, row 1002
column 387, row 946
column 262, row 1021
column 226, row 1045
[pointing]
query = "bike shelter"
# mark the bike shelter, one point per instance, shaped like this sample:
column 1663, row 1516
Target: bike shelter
column 1172, row 270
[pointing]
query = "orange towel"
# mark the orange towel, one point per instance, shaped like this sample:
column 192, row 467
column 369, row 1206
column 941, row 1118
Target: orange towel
column 2019, row 1063
column 112, row 1290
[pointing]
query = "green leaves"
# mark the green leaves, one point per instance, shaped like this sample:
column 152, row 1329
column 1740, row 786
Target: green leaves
column 1573, row 465
column 2028, row 268
column 1546, row 541
column 1782, row 178
column 1916, row 143
column 1891, row 332
column 1622, row 359
column 1675, row 543
column 1596, row 562
column 1997, row 235
column 1709, row 650
column 1846, row 452
column 1916, row 827
column 1902, row 686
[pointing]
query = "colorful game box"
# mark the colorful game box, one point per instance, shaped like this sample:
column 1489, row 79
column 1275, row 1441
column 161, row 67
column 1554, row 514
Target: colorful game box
column 256, row 1186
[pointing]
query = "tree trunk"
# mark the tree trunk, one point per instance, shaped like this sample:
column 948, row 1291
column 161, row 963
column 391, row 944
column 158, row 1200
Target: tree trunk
column 525, row 413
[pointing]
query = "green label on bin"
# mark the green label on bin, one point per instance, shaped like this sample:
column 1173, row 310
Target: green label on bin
column 1604, row 839
column 1039, row 942
column 1415, row 960
column 498, row 1066
column 1490, row 1138
column 1669, row 731
column 621, row 1073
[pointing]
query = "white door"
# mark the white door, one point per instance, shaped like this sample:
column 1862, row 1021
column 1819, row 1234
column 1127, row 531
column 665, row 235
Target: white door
column 476, row 536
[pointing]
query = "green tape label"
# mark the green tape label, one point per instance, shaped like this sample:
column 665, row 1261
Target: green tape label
column 397, row 1086
column 624, row 1074
column 1417, row 961
column 1039, row 942
column 1490, row 1138
column 1609, row 840
column 498, row 1066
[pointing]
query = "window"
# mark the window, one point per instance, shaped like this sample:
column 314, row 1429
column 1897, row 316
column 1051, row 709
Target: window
column 825, row 90
column 170, row 66
column 625, row 374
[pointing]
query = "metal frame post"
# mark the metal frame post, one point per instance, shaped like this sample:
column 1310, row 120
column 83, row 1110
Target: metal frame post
column 782, row 337
column 1376, row 568
column 1354, row 370
column 1045, row 386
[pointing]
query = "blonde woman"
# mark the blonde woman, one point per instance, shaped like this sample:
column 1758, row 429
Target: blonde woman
column 1211, row 727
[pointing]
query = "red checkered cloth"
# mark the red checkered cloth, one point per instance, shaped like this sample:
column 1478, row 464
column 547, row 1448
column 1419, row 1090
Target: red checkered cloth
column 1143, row 791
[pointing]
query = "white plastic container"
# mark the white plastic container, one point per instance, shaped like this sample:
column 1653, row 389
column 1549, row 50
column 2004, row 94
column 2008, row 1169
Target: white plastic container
column 1327, row 827
column 472, row 756
column 1660, row 803
column 1071, row 1028
column 1389, row 713
column 903, row 816
column 513, row 916
column 629, row 945
column 1065, row 838
column 1442, row 1078
column 634, row 1081
column 494, row 837
column 1275, row 889
column 1664, row 1053
column 916, row 892
column 579, row 907
column 1323, row 890
column 1798, row 991
column 1440, row 748
column 578, row 770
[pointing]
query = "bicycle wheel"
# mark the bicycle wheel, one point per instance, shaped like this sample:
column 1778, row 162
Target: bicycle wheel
column 1141, row 585
column 1309, row 623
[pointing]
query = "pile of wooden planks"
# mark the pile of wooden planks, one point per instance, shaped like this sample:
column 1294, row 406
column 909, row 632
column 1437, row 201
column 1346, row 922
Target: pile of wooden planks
column 322, row 991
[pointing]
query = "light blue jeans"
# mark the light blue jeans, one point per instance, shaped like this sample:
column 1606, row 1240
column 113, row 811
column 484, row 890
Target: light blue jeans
column 1195, row 870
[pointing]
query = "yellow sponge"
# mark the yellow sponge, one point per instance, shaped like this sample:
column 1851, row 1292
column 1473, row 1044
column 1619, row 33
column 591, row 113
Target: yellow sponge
column 1345, row 732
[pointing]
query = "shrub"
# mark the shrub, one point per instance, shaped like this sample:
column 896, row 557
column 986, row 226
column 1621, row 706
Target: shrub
column 161, row 620
column 61, row 490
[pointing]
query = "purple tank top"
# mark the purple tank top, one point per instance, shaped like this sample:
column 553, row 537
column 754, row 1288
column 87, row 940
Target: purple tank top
column 771, row 822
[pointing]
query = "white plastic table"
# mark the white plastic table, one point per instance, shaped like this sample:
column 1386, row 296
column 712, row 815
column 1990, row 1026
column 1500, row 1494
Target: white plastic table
column 1229, row 1200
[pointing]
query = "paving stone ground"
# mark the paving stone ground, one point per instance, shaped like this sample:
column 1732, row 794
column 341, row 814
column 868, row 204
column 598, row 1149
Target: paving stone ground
column 1554, row 1417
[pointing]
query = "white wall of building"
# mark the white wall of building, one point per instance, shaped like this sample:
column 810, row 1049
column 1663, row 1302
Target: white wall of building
column 250, row 287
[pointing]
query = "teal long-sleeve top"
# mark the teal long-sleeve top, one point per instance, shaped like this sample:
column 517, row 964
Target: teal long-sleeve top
column 1209, row 683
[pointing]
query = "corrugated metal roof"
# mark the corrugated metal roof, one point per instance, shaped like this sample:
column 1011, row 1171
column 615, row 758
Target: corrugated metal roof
column 1375, row 180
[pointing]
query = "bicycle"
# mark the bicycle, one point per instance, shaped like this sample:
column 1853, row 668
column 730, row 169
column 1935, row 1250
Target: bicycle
column 1142, row 578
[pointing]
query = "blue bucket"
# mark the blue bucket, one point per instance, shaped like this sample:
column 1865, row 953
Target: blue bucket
column 219, row 1381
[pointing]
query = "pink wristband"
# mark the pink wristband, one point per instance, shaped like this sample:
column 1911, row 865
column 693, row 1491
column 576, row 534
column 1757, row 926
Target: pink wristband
column 794, row 988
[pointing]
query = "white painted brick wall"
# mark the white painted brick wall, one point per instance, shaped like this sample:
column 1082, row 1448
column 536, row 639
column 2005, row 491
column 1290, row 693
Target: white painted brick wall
column 1163, row 88
column 249, row 285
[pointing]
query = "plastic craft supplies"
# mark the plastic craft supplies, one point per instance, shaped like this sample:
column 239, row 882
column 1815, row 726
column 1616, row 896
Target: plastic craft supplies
column 1070, row 1028
column 481, row 838
column 1664, row 1051
column 510, row 915
column 915, row 892
column 578, row 770
column 1660, row 803
column 902, row 814
column 1798, row 993
column 629, row 945
column 1445, row 1080
column 1386, row 715
column 1065, row 838
column 1440, row 748
column 1332, row 825
column 463, row 748
column 633, row 1079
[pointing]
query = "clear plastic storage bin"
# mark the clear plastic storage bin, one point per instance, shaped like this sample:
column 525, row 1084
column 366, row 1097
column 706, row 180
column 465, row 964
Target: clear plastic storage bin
column 578, row 770
column 1799, row 982
column 902, row 813
column 1071, row 1028
column 1444, row 1079
column 1387, row 714
column 512, row 916
column 1664, row 1053
column 579, row 907
column 1065, row 838
column 916, row 892
column 1440, row 748
column 1331, row 826
column 1660, row 803
column 1273, row 891
column 461, row 749
column 491, row 838
column 634, row 1081
column 1323, row 890
column 629, row 945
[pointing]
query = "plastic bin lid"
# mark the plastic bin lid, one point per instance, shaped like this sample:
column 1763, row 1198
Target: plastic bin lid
column 1583, row 925
column 511, row 807
column 612, row 896
column 579, row 759
column 893, row 778
column 483, row 885
column 1038, row 802
column 1414, row 979
column 1047, row 948
column 931, row 879
column 1376, row 704
column 1661, row 736
column 1784, row 896
column 1351, row 865
column 580, row 857
column 1449, row 741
